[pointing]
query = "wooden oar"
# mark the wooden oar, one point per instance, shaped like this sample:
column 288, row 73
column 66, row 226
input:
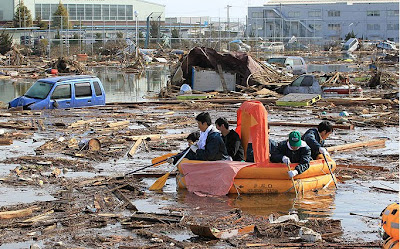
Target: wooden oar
column 162, row 159
column 139, row 169
column 294, row 185
column 330, row 170
column 160, row 182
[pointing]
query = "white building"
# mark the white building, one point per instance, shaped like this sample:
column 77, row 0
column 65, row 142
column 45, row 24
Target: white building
column 87, row 10
column 324, row 20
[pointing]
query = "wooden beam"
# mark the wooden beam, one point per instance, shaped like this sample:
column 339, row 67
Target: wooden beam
column 221, row 75
column 119, row 123
column 370, row 143
column 134, row 147
column 17, row 213
column 363, row 167
column 157, row 136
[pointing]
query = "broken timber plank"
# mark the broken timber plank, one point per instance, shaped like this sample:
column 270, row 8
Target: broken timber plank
column 157, row 136
column 298, row 99
column 134, row 147
column 17, row 213
column 364, row 167
column 122, row 197
column 221, row 75
column 81, row 122
column 370, row 143
column 336, row 126
column 117, row 124
column 6, row 141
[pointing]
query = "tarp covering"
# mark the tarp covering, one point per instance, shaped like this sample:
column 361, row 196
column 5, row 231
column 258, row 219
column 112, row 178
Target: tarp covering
column 240, row 63
column 211, row 177
column 252, row 122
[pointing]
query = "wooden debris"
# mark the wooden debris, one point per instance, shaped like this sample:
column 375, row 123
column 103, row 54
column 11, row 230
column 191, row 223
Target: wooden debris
column 370, row 143
column 81, row 123
column 17, row 213
column 335, row 126
column 365, row 167
column 118, row 124
column 6, row 141
column 134, row 147
column 122, row 197
column 384, row 189
column 212, row 233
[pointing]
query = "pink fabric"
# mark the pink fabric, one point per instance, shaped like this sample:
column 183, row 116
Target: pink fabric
column 211, row 177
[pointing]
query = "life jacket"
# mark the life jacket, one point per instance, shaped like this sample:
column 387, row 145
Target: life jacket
column 390, row 220
column 391, row 243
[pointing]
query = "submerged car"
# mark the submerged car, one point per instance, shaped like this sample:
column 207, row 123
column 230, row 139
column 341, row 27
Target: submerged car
column 62, row 92
column 292, row 64
column 310, row 84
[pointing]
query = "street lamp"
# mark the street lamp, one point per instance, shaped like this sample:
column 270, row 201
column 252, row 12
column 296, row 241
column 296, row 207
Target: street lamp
column 136, row 33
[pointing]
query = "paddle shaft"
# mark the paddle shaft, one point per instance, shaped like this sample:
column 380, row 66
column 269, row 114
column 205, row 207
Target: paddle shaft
column 160, row 182
column 294, row 185
column 330, row 170
column 145, row 167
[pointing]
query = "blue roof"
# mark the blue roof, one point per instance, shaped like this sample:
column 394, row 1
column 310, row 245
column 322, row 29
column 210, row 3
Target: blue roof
column 65, row 78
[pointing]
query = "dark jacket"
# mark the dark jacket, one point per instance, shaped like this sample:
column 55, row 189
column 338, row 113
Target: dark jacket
column 250, row 152
column 314, row 141
column 233, row 145
column 301, row 156
column 214, row 149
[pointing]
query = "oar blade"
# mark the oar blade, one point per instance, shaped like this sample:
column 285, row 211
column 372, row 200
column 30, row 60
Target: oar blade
column 159, row 184
column 161, row 159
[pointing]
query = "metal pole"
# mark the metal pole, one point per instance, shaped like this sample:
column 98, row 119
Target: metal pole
column 61, row 37
column 49, row 37
column 136, row 34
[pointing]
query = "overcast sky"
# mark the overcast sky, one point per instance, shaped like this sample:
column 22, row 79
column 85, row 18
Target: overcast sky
column 212, row 8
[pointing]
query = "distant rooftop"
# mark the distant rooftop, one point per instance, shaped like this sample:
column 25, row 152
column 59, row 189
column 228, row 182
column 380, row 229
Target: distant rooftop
column 275, row 2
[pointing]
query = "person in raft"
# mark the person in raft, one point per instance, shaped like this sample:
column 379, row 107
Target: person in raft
column 315, row 138
column 293, row 150
column 250, row 152
column 191, row 139
column 210, row 146
column 231, row 140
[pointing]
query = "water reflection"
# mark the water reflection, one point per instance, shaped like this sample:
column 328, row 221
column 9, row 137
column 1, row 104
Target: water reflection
column 119, row 86
column 312, row 204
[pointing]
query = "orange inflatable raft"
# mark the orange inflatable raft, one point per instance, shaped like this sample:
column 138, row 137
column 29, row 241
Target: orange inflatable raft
column 273, row 178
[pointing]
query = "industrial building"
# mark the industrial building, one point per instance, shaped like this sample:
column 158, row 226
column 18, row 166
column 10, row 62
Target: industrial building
column 325, row 20
column 87, row 11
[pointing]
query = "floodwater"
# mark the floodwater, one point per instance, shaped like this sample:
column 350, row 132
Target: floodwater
column 354, row 196
column 118, row 85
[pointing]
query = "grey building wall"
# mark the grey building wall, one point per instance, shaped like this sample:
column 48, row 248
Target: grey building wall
column 325, row 21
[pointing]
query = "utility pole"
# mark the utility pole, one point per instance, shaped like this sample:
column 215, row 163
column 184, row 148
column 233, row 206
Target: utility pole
column 227, row 24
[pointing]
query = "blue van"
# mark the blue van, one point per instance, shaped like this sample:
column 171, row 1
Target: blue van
column 62, row 92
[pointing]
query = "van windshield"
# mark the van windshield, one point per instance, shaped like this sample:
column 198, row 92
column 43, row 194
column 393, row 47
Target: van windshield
column 279, row 61
column 39, row 90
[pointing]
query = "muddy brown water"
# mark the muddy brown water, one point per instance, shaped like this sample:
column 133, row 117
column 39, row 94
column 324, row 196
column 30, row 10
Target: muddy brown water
column 352, row 196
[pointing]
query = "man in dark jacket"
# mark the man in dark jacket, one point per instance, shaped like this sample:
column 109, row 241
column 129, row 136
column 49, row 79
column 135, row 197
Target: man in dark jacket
column 210, row 146
column 231, row 140
column 315, row 138
column 293, row 150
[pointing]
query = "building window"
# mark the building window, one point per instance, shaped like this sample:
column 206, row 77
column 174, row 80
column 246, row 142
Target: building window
column 96, row 12
column 373, row 26
column 314, row 13
column 257, row 15
column 121, row 12
column 393, row 13
column 334, row 26
column 72, row 11
column 129, row 12
column 373, row 13
column 393, row 26
column 294, row 13
column 333, row 13
column 45, row 11
column 315, row 27
column 38, row 10
column 106, row 12
column 80, row 11
column 113, row 12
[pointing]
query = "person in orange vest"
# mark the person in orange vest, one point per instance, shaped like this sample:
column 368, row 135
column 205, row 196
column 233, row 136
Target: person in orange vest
column 390, row 221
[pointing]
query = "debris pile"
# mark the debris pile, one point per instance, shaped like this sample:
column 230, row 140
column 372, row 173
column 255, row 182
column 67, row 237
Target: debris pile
column 65, row 65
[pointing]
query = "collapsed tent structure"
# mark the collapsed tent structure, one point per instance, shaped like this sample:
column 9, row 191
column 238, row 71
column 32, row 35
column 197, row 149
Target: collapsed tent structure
column 239, row 63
